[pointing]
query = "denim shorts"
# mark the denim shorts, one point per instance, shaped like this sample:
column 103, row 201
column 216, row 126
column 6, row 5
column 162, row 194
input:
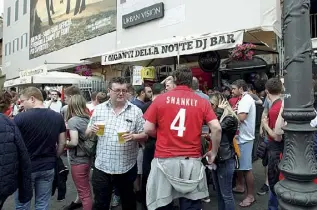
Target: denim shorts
column 245, row 159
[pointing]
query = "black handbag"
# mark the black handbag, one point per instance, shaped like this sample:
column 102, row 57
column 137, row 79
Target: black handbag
column 262, row 150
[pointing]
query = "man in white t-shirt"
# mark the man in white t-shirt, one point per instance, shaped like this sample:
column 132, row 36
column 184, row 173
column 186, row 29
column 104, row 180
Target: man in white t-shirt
column 91, row 106
column 246, row 112
column 55, row 103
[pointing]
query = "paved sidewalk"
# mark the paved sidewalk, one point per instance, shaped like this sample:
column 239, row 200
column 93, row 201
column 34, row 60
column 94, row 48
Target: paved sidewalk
column 261, row 201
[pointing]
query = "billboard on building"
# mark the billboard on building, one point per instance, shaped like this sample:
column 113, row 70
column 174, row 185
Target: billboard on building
column 55, row 24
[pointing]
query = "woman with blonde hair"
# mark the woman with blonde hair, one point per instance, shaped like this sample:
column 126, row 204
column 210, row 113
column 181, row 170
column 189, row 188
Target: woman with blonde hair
column 225, row 159
column 77, row 121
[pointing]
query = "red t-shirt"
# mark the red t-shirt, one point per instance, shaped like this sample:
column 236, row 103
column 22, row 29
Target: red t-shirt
column 179, row 115
column 9, row 111
column 273, row 114
column 233, row 101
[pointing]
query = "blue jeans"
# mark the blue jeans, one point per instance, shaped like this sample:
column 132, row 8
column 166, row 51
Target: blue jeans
column 273, row 203
column 42, row 182
column 223, row 182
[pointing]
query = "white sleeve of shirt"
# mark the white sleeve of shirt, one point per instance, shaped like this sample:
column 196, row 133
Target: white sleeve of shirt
column 313, row 123
column 244, row 105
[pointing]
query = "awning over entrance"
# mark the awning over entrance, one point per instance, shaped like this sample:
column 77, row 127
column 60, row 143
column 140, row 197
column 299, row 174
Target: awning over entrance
column 175, row 47
column 164, row 52
column 18, row 81
column 53, row 77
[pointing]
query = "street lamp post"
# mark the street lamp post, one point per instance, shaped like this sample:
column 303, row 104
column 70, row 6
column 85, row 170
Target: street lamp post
column 299, row 166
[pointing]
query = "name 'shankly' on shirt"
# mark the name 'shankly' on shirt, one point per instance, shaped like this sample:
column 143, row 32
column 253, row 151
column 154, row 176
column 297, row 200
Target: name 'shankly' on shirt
column 182, row 101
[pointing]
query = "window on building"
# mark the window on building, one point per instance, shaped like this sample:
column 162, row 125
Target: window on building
column 24, row 40
column 123, row 1
column 9, row 16
column 25, row 7
column 7, row 49
column 15, row 46
column 16, row 12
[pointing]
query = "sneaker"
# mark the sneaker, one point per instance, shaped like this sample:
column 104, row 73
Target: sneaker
column 264, row 189
column 206, row 200
column 73, row 206
column 115, row 201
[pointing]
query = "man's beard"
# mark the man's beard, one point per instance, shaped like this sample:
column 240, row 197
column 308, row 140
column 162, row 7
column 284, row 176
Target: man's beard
column 146, row 99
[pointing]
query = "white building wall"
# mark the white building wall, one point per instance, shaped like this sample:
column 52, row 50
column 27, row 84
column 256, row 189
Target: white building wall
column 188, row 17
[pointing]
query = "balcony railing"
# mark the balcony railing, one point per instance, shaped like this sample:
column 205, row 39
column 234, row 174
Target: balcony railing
column 313, row 25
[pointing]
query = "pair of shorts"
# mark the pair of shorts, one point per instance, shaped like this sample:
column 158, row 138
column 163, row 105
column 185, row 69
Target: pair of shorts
column 245, row 159
column 140, row 160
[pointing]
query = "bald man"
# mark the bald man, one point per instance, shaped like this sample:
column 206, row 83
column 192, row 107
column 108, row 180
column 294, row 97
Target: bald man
column 195, row 87
column 169, row 83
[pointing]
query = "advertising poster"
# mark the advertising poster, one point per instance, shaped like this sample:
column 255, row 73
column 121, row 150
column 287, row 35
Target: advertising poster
column 55, row 24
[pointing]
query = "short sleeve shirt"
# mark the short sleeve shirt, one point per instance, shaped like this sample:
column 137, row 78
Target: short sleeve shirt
column 112, row 157
column 255, row 97
column 179, row 115
column 233, row 101
column 76, row 155
column 247, row 127
column 273, row 114
column 267, row 104
column 40, row 129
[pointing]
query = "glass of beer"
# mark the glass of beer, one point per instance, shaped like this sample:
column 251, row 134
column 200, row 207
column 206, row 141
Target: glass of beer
column 121, row 132
column 101, row 130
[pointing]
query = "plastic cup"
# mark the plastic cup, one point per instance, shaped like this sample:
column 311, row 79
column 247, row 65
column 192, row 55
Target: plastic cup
column 120, row 133
column 101, row 128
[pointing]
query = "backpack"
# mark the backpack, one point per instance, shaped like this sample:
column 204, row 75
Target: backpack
column 89, row 145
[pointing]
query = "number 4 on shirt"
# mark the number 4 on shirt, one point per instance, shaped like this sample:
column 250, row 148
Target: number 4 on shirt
column 180, row 118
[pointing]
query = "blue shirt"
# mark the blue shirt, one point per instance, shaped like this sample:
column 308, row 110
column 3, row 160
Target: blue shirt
column 138, row 103
column 40, row 129
column 267, row 104
column 201, row 94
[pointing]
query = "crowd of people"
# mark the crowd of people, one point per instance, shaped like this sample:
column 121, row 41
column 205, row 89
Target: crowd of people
column 152, row 145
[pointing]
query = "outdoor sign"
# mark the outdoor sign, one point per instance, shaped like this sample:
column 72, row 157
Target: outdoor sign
column 58, row 24
column 18, row 81
column 9, row 83
column 148, row 72
column 35, row 71
column 146, row 14
column 24, row 80
column 137, row 75
column 209, row 61
column 175, row 47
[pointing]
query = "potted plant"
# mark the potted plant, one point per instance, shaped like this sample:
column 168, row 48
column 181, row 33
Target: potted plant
column 242, row 52
column 83, row 71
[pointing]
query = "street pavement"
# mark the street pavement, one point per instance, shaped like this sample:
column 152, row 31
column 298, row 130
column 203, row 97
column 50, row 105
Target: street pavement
column 260, row 204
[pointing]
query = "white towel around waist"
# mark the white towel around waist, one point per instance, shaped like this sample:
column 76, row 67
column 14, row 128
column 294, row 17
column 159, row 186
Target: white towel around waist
column 172, row 178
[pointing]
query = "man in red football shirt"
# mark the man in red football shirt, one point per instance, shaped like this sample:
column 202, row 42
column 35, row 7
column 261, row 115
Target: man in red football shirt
column 272, row 126
column 175, row 119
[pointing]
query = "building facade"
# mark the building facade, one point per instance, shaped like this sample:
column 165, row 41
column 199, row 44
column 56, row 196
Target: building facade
column 33, row 36
column 62, row 32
